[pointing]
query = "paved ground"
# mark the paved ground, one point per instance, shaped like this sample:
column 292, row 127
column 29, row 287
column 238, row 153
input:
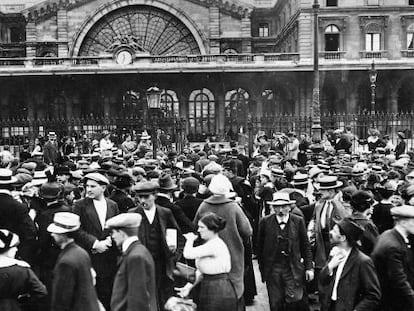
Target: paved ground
column 261, row 302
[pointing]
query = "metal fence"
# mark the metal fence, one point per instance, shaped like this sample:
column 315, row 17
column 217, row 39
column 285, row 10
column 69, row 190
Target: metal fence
column 17, row 132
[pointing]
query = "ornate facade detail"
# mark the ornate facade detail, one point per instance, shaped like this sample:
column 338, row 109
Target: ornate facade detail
column 381, row 21
column 339, row 21
column 407, row 20
column 141, row 29
column 48, row 8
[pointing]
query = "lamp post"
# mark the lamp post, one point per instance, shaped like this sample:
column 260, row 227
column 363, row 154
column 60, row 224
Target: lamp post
column 316, row 108
column 154, row 104
column 373, row 79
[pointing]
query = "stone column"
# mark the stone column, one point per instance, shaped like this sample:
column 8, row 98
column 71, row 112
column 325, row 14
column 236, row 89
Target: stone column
column 220, row 111
column 62, row 32
column 246, row 34
column 31, row 38
column 214, row 30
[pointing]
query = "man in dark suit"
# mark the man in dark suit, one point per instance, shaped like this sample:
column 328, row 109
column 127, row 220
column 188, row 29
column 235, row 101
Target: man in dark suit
column 73, row 281
column 14, row 216
column 189, row 203
column 51, row 150
column 134, row 285
column 349, row 278
column 284, row 255
column 393, row 258
column 93, row 211
column 164, row 199
column 156, row 220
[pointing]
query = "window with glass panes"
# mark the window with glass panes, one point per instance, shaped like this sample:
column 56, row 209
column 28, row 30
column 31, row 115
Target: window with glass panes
column 263, row 30
column 201, row 112
column 373, row 37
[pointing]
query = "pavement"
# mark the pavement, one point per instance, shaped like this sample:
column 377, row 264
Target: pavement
column 261, row 301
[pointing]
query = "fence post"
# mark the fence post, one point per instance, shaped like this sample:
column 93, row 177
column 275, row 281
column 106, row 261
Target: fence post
column 250, row 131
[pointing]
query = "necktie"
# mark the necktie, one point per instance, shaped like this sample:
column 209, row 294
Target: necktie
column 282, row 225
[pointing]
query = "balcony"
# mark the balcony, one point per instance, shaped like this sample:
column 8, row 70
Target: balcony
column 373, row 54
column 332, row 55
column 407, row 53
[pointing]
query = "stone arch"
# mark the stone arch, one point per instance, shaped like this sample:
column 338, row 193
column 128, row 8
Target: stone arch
column 119, row 4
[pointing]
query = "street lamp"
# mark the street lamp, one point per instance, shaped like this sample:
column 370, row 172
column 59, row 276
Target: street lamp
column 154, row 104
column 316, row 108
column 373, row 79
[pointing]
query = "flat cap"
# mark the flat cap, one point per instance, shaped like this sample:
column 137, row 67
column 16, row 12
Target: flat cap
column 124, row 220
column 146, row 187
column 99, row 178
column 403, row 211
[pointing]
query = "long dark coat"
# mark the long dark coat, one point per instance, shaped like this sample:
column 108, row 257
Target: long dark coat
column 72, row 281
column 14, row 217
column 395, row 266
column 358, row 287
column 134, row 286
column 91, row 230
column 300, row 258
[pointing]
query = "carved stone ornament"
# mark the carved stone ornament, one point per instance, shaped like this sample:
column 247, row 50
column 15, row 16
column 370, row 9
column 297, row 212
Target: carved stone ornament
column 339, row 21
column 381, row 21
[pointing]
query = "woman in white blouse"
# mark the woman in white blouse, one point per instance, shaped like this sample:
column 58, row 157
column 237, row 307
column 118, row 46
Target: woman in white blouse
column 216, row 292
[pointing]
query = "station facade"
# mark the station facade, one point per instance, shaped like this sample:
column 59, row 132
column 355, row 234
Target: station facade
column 218, row 63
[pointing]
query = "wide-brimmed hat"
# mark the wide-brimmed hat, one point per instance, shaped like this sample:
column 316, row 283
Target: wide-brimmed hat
column 8, row 240
column 39, row 178
column 220, row 185
column 64, row 222
column 281, row 198
column 329, row 182
column 6, row 177
column 166, row 183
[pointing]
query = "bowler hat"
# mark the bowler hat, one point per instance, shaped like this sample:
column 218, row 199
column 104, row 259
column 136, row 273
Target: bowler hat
column 50, row 190
column 64, row 222
column 351, row 229
column 8, row 240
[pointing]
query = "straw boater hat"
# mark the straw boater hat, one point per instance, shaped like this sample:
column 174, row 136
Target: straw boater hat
column 6, row 177
column 281, row 198
column 329, row 182
column 64, row 222
column 145, row 135
column 8, row 240
column 300, row 179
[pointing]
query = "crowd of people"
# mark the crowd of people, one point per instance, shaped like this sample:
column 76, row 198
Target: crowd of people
column 121, row 229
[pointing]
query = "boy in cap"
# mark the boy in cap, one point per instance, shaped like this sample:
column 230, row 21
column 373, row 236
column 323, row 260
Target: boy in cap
column 73, row 287
column 134, row 285
column 349, row 277
column 394, row 261
column 93, row 211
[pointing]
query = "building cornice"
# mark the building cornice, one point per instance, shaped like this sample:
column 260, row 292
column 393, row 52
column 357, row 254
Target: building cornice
column 48, row 8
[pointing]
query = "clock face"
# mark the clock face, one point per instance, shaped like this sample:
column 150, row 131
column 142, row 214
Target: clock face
column 124, row 58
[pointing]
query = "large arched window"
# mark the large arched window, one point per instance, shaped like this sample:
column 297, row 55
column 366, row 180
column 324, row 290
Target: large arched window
column 410, row 37
column 169, row 104
column 373, row 37
column 236, row 108
column 201, row 113
column 332, row 35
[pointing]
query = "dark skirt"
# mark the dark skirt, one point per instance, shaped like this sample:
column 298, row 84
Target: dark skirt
column 217, row 294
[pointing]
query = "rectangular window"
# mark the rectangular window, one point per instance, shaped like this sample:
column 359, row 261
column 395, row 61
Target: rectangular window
column 331, row 2
column 373, row 42
column 410, row 2
column 264, row 30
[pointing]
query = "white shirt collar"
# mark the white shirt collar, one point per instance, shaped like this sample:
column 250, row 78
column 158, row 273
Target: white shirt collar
column 404, row 236
column 150, row 214
column 127, row 243
column 282, row 219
